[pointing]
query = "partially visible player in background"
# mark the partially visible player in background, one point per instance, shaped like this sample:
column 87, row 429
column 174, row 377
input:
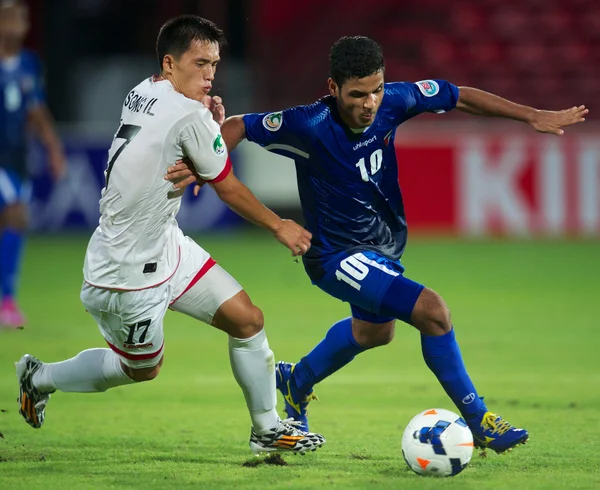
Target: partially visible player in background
column 343, row 147
column 138, row 263
column 22, row 107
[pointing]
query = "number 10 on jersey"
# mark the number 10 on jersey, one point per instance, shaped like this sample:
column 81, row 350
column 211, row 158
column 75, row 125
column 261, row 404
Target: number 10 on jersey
column 376, row 160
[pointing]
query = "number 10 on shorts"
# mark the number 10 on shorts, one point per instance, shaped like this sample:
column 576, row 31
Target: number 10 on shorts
column 356, row 267
column 353, row 270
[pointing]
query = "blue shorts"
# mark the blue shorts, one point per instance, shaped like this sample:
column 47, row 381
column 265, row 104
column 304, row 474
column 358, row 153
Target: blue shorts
column 13, row 188
column 374, row 286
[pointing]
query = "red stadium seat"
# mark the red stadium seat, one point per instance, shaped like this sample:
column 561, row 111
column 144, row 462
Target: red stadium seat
column 531, row 50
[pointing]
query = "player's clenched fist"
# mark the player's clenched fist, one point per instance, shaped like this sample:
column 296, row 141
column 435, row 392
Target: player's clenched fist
column 215, row 105
column 293, row 236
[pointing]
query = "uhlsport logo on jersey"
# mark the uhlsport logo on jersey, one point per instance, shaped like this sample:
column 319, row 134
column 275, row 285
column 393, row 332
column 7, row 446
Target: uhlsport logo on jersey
column 218, row 145
column 365, row 143
column 428, row 88
column 273, row 121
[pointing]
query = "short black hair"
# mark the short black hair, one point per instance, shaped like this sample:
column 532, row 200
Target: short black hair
column 354, row 57
column 176, row 35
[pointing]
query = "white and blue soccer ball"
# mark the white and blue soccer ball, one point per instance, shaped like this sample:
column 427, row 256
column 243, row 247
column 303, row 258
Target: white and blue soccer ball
column 437, row 442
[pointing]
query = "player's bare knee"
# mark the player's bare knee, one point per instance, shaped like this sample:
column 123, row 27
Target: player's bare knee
column 238, row 317
column 431, row 316
column 443, row 318
column 385, row 334
column 254, row 323
column 371, row 335
column 143, row 374
column 437, row 322
column 248, row 325
column 258, row 319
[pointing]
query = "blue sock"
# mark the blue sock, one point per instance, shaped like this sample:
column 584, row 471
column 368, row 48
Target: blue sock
column 11, row 245
column 443, row 357
column 336, row 350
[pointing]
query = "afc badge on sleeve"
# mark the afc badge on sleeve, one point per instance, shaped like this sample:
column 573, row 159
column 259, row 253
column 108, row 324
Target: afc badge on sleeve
column 428, row 88
column 273, row 121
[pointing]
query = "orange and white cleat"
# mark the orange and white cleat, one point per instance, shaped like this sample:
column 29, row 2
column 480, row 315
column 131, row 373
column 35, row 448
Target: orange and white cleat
column 32, row 402
column 286, row 437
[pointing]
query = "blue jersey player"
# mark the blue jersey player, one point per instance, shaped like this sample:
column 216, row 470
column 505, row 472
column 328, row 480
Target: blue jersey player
column 21, row 105
column 343, row 148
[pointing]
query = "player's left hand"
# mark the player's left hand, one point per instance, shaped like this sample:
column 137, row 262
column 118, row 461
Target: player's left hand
column 293, row 236
column 182, row 175
column 553, row 121
column 58, row 164
column 215, row 105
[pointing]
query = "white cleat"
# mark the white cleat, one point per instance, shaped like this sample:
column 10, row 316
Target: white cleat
column 32, row 402
column 285, row 437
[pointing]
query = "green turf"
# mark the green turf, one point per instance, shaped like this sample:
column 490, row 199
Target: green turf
column 526, row 320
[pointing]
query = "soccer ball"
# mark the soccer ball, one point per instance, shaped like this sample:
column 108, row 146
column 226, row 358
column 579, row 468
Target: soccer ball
column 437, row 442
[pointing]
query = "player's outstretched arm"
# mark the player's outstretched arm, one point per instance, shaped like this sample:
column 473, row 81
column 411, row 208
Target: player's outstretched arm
column 239, row 198
column 480, row 103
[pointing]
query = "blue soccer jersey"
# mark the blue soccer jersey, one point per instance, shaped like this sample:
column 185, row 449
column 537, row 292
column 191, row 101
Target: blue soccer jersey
column 20, row 90
column 348, row 182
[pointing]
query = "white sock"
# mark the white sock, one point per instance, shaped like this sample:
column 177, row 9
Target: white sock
column 253, row 366
column 90, row 371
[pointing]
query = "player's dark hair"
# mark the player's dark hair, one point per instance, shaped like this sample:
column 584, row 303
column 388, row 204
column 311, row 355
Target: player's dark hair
column 354, row 57
column 176, row 35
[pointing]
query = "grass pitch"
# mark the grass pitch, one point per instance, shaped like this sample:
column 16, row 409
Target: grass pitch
column 526, row 319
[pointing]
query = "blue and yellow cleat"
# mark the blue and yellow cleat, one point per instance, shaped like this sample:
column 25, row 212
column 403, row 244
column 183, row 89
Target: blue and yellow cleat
column 497, row 434
column 296, row 404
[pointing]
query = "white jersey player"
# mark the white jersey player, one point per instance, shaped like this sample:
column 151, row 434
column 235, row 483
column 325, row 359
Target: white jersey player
column 138, row 262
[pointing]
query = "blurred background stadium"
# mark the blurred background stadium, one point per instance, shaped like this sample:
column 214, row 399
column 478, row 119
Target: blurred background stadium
column 459, row 174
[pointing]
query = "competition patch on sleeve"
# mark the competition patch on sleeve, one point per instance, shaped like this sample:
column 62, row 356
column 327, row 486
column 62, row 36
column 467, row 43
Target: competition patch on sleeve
column 218, row 145
column 272, row 122
column 428, row 88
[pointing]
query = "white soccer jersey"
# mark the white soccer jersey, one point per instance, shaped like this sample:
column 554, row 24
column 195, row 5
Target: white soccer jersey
column 136, row 244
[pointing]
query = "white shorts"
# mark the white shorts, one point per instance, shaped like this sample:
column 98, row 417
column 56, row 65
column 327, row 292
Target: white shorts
column 132, row 321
